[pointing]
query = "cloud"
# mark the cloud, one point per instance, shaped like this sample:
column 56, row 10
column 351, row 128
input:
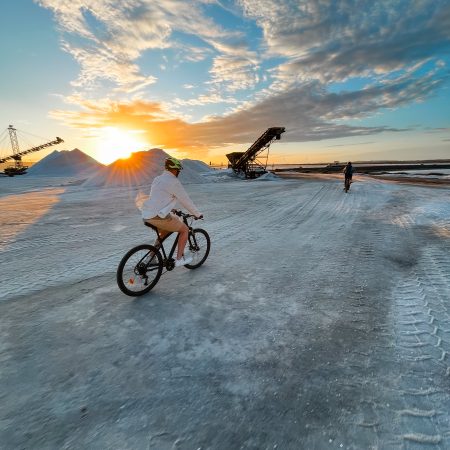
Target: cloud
column 323, row 40
column 107, row 37
column 309, row 113
column 354, row 144
column 436, row 130
column 97, row 61
column 234, row 72
column 335, row 40
column 192, row 53
column 212, row 98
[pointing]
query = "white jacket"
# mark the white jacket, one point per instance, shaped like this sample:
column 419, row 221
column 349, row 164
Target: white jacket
column 166, row 190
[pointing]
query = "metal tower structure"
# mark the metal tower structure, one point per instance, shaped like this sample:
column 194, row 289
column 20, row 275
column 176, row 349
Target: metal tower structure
column 15, row 147
column 19, row 168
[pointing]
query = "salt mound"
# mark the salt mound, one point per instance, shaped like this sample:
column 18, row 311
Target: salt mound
column 139, row 169
column 65, row 163
column 219, row 175
column 198, row 166
column 269, row 176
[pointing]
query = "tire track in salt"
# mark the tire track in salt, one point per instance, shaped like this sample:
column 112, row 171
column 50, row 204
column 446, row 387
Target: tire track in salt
column 436, row 282
column 261, row 204
column 413, row 401
column 309, row 208
column 366, row 316
column 416, row 414
column 422, row 325
column 313, row 201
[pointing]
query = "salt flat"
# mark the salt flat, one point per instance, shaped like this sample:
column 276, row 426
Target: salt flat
column 320, row 319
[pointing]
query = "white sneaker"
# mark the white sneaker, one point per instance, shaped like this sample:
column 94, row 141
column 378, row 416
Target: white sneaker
column 183, row 261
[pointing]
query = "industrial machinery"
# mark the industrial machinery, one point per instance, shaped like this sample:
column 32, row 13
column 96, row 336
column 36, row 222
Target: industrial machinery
column 247, row 163
column 16, row 156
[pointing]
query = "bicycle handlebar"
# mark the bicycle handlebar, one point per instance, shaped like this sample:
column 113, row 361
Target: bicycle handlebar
column 180, row 213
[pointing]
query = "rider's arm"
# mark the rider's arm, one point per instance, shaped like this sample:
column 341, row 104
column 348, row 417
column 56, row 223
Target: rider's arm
column 183, row 198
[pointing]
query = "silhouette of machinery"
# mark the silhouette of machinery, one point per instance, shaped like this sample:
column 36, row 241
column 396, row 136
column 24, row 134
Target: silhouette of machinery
column 247, row 163
column 19, row 168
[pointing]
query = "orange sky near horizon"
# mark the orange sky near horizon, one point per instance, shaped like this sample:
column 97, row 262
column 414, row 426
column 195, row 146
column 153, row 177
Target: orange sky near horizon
column 113, row 130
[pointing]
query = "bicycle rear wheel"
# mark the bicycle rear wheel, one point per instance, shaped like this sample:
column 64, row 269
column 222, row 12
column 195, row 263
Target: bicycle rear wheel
column 347, row 184
column 199, row 245
column 139, row 270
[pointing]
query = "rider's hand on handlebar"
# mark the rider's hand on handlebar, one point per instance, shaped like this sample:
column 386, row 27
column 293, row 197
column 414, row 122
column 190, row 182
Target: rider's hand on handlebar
column 198, row 217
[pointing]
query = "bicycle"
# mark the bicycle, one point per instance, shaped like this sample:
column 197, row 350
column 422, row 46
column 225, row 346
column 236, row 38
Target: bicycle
column 347, row 182
column 142, row 266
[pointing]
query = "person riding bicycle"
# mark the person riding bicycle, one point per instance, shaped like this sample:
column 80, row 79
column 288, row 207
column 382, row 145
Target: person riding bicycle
column 348, row 172
column 165, row 191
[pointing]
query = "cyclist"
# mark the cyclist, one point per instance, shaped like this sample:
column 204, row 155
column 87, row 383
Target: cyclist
column 348, row 173
column 165, row 191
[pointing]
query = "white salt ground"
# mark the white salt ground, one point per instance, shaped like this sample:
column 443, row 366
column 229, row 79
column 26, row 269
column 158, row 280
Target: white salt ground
column 323, row 314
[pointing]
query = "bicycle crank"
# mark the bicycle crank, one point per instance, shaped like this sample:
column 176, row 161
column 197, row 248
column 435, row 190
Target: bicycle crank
column 170, row 264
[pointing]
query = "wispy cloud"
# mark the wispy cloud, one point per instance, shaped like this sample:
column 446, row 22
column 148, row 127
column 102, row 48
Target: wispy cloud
column 332, row 41
column 437, row 130
column 106, row 38
column 234, row 72
column 191, row 53
column 350, row 145
column 309, row 113
column 213, row 98
column 99, row 64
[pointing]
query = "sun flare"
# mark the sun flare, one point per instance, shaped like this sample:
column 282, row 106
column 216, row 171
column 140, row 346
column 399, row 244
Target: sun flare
column 115, row 143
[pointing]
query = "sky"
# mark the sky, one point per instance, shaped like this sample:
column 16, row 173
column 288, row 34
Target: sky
column 348, row 79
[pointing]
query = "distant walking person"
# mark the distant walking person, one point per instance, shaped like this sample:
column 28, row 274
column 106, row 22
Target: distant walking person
column 348, row 173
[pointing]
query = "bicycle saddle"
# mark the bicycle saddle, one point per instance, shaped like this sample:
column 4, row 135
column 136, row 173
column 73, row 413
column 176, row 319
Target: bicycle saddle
column 151, row 226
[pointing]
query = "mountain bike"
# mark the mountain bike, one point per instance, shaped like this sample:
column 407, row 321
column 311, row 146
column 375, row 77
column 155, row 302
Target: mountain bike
column 141, row 268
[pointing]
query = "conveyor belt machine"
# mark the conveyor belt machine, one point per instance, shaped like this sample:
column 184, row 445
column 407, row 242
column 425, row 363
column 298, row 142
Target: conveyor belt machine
column 247, row 162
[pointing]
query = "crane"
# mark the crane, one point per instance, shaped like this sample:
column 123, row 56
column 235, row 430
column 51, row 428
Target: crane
column 19, row 168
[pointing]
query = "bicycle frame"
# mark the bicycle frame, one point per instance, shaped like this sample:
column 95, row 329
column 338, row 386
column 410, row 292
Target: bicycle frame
column 162, row 249
column 168, row 260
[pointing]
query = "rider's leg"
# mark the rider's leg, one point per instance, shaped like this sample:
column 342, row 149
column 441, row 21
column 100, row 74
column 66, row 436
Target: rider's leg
column 162, row 234
column 182, row 239
column 171, row 224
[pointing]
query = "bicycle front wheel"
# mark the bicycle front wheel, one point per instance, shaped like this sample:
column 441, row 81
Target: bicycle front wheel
column 139, row 270
column 199, row 246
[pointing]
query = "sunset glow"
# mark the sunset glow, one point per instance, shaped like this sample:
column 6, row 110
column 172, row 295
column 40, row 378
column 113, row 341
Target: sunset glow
column 114, row 143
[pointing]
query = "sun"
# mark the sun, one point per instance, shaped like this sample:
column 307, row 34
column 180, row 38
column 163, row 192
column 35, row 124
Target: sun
column 115, row 143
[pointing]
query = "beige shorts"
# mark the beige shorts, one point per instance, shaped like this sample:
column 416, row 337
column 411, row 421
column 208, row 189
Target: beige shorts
column 168, row 223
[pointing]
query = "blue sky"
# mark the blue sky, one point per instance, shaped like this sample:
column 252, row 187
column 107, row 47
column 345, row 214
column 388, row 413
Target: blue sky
column 360, row 80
